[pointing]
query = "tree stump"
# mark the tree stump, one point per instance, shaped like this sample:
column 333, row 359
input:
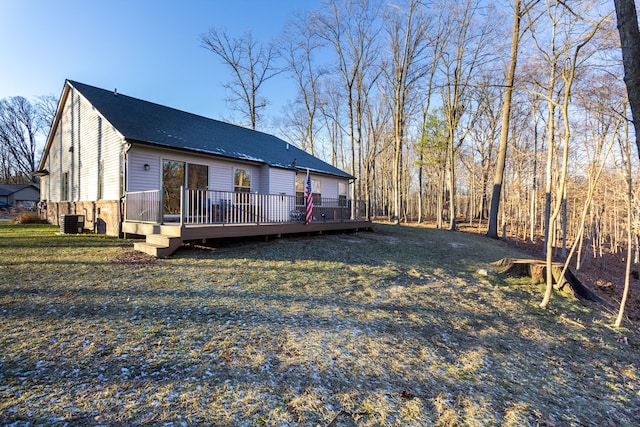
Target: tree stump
column 536, row 269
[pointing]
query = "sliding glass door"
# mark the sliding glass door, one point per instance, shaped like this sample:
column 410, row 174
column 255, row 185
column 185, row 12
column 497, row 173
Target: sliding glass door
column 172, row 179
column 176, row 174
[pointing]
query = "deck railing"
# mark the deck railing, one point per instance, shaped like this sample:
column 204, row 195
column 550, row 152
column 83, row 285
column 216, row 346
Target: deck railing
column 201, row 206
column 143, row 206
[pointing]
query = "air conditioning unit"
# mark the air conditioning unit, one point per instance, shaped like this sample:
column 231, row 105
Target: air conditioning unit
column 71, row 224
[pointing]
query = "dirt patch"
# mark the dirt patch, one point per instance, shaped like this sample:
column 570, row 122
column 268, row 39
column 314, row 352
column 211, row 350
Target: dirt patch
column 133, row 258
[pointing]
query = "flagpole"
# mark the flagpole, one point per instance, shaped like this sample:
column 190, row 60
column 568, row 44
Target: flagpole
column 308, row 193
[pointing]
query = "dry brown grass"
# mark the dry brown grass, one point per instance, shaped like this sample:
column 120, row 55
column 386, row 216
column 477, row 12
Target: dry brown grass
column 393, row 328
column 27, row 218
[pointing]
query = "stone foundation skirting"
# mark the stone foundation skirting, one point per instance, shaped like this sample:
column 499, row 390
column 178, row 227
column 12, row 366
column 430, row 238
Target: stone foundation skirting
column 101, row 217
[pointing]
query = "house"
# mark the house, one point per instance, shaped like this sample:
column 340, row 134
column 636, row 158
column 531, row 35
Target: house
column 132, row 167
column 22, row 196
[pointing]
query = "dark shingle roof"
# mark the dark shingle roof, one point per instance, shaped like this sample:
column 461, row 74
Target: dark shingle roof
column 9, row 189
column 150, row 123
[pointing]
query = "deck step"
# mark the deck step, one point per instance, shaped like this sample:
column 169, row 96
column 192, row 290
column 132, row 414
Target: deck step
column 159, row 245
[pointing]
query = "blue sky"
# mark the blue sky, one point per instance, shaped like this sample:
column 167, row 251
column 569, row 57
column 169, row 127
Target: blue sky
column 146, row 49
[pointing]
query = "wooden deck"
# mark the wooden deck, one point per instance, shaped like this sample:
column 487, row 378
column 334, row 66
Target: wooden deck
column 206, row 214
column 163, row 240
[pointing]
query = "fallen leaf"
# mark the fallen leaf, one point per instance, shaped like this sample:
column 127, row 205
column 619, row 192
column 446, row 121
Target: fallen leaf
column 405, row 394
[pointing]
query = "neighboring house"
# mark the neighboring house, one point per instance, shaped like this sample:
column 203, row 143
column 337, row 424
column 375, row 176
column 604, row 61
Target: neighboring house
column 22, row 196
column 130, row 165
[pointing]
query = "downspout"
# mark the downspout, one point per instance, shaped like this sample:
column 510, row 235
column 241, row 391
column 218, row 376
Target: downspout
column 125, row 176
column 95, row 219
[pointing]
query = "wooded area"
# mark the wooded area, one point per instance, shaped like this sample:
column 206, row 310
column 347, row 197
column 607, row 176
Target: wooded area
column 511, row 115
column 425, row 103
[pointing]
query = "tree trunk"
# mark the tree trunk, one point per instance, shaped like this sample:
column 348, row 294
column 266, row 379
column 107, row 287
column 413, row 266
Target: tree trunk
column 441, row 194
column 452, row 184
column 563, row 221
column 625, row 149
column 568, row 76
column 420, row 192
column 630, row 42
column 492, row 231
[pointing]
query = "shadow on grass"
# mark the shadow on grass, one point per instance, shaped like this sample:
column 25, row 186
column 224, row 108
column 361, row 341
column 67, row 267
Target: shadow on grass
column 296, row 331
column 451, row 252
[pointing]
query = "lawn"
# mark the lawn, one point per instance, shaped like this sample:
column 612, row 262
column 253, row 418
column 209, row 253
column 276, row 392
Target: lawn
column 398, row 327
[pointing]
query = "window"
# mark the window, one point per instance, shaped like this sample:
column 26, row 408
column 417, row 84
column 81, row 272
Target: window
column 242, row 185
column 64, row 187
column 342, row 194
column 300, row 190
column 316, row 190
column 197, row 176
column 242, row 180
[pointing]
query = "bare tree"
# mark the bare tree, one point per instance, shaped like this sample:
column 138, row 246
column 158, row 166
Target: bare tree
column 18, row 131
column 299, row 46
column 252, row 64
column 564, row 60
column 407, row 34
column 466, row 53
column 7, row 173
column 627, row 167
column 630, row 42
column 331, row 109
column 437, row 38
column 506, row 114
column 46, row 107
column 487, row 98
column 378, row 118
column 351, row 28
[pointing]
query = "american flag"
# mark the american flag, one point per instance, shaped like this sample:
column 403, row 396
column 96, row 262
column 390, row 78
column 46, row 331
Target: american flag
column 308, row 196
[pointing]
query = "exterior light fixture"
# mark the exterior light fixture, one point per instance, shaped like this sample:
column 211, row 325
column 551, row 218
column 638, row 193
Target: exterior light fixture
column 146, row 166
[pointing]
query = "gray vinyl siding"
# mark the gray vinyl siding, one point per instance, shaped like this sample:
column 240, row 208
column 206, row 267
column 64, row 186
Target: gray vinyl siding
column 50, row 191
column 265, row 183
column 330, row 187
column 111, row 153
column 59, row 157
column 139, row 179
column 220, row 170
column 221, row 175
column 81, row 141
column 282, row 181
